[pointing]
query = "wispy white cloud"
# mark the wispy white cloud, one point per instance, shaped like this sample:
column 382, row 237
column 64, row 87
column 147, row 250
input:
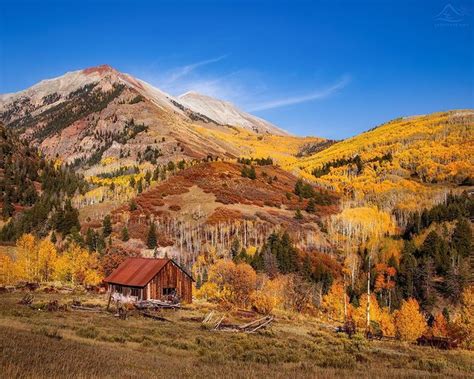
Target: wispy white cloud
column 313, row 95
column 248, row 89
column 180, row 72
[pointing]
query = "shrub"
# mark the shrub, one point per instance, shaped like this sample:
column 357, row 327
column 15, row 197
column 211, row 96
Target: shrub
column 262, row 302
column 235, row 282
column 50, row 333
column 88, row 332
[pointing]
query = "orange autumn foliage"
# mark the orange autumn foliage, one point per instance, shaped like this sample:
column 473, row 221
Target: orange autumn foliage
column 440, row 326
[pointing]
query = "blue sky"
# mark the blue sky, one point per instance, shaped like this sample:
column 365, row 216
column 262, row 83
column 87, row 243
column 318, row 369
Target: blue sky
column 325, row 68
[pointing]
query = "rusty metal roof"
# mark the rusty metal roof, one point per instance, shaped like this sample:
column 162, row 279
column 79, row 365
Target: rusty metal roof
column 136, row 272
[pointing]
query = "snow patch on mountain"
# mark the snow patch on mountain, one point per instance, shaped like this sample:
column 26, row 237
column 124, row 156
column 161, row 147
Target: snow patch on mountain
column 226, row 113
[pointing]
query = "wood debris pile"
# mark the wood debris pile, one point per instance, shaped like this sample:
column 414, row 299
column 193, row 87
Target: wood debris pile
column 27, row 299
column 77, row 306
column 156, row 304
column 217, row 324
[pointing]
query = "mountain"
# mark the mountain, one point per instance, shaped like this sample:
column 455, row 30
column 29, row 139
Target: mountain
column 88, row 116
column 225, row 113
column 114, row 128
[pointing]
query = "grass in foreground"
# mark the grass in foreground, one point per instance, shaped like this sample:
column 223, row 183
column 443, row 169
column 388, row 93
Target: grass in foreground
column 36, row 343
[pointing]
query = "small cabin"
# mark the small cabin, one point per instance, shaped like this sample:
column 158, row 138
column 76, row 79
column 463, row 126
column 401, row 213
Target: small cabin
column 151, row 278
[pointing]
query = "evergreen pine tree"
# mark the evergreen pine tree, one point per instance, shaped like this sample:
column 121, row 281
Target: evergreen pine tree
column 234, row 249
column 311, row 207
column 462, row 238
column 106, row 226
column 298, row 214
column 90, row 240
column 407, row 270
column 125, row 236
column 251, row 173
column 151, row 238
column 7, row 208
column 424, row 285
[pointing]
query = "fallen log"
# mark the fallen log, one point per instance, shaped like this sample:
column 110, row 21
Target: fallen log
column 27, row 299
column 250, row 327
column 154, row 317
column 156, row 304
column 86, row 309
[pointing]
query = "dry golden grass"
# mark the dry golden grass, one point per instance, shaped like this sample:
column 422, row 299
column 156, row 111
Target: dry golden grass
column 78, row 344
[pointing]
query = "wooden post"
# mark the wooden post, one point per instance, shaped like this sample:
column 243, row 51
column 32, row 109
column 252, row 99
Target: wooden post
column 344, row 299
column 110, row 298
column 368, row 297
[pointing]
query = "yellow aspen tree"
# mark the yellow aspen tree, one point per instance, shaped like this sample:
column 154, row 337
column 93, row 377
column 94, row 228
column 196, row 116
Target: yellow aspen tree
column 360, row 313
column 409, row 322
column 386, row 322
column 8, row 273
column 333, row 301
column 47, row 256
column 77, row 266
column 62, row 268
column 27, row 258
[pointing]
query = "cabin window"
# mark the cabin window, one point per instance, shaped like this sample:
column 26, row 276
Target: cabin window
column 135, row 292
column 169, row 291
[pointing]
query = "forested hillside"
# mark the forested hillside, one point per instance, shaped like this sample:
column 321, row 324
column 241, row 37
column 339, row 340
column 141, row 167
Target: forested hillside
column 405, row 164
column 35, row 193
column 205, row 206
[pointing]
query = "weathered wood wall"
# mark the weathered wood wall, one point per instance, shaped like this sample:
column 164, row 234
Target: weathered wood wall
column 170, row 276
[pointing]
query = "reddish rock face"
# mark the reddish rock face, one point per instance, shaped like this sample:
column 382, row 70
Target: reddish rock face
column 102, row 69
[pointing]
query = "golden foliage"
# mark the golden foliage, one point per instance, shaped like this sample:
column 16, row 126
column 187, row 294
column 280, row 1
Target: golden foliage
column 7, row 269
column 245, row 143
column 47, row 256
column 360, row 313
column 263, row 302
column 436, row 148
column 386, row 322
column 235, row 282
column 333, row 301
column 26, row 263
column 409, row 322
column 208, row 291
column 463, row 326
column 272, row 294
column 78, row 266
column 354, row 227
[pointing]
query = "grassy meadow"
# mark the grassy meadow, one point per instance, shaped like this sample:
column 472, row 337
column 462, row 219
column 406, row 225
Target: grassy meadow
column 77, row 344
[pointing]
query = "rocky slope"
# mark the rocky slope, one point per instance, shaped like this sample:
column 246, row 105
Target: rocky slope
column 225, row 113
column 88, row 116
